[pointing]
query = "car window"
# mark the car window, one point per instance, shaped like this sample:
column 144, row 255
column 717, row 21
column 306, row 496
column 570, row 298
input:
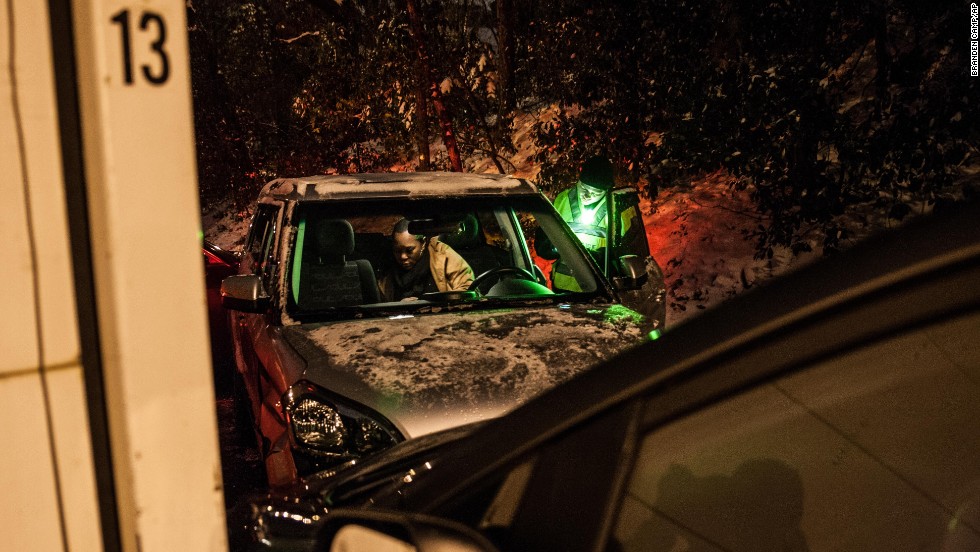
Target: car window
column 261, row 247
column 258, row 246
column 351, row 245
column 874, row 450
column 631, row 238
column 517, row 505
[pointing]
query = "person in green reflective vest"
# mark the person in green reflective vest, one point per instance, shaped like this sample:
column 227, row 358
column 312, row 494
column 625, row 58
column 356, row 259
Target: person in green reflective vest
column 584, row 207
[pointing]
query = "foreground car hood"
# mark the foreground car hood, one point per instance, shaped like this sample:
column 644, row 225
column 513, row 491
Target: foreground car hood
column 434, row 371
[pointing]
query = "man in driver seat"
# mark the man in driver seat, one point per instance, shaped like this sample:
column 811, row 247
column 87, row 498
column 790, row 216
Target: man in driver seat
column 422, row 265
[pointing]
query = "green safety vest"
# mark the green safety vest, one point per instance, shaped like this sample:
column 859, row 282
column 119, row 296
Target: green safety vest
column 591, row 233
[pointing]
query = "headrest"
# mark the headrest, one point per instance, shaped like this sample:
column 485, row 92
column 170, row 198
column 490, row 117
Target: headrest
column 467, row 236
column 333, row 238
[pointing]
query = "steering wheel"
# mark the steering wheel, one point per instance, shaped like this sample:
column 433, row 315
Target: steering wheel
column 499, row 272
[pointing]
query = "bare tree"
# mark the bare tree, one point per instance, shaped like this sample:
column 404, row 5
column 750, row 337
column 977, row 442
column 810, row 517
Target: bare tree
column 505, row 54
column 428, row 75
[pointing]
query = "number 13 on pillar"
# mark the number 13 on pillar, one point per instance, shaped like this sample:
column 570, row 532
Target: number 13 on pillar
column 132, row 72
column 152, row 35
column 135, row 92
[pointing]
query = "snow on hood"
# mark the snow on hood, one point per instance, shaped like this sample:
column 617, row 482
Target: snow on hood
column 436, row 371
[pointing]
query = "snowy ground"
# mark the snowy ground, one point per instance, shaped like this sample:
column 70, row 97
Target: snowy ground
column 226, row 228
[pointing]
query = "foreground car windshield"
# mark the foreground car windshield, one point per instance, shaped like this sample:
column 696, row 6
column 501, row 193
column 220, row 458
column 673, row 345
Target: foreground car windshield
column 508, row 243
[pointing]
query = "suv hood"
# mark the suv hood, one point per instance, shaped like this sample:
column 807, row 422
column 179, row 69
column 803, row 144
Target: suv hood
column 430, row 372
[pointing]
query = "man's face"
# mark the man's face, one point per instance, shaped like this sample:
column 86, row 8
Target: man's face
column 407, row 250
column 589, row 194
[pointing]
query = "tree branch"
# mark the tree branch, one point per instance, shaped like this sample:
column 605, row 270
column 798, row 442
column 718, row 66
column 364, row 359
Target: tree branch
column 295, row 38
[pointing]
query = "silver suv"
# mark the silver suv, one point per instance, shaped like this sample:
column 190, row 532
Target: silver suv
column 332, row 372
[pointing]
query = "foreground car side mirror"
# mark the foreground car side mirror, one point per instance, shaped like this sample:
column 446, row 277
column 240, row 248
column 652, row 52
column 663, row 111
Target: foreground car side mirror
column 381, row 531
column 244, row 293
column 632, row 273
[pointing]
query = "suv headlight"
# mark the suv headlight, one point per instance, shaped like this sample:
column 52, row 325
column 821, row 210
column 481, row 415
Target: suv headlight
column 328, row 425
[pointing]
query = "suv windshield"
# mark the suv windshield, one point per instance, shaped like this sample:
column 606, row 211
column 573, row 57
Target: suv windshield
column 362, row 258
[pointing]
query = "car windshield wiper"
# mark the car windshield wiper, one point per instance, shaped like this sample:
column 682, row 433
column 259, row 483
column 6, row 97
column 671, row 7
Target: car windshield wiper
column 444, row 301
column 564, row 297
column 437, row 301
column 332, row 313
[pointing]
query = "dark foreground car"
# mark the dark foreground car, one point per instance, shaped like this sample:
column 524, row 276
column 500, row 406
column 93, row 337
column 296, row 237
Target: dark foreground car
column 836, row 409
column 334, row 371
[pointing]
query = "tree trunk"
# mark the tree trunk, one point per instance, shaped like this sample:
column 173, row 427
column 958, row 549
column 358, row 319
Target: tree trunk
column 493, row 152
column 428, row 75
column 422, row 123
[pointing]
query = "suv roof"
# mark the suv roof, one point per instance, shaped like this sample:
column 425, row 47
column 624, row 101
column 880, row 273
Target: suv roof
column 400, row 184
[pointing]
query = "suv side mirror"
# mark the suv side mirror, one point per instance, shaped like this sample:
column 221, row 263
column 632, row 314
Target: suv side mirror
column 632, row 273
column 347, row 530
column 244, row 293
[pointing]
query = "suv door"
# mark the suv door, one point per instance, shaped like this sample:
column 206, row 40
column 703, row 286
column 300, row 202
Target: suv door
column 258, row 257
column 650, row 299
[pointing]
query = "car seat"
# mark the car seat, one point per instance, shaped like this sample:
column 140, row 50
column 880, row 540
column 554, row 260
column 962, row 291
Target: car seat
column 327, row 278
column 375, row 248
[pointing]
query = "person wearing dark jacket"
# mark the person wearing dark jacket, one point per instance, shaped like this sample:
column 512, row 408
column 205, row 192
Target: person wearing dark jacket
column 422, row 265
